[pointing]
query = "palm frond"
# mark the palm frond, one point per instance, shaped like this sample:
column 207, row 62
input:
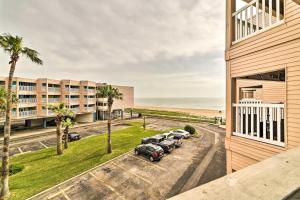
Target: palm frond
column 61, row 111
column 33, row 55
column 107, row 91
column 5, row 43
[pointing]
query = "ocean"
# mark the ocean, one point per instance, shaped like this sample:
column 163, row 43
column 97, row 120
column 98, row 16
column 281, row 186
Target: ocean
column 197, row 103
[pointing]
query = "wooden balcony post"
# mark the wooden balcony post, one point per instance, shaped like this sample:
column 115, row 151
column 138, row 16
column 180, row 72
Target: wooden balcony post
column 230, row 29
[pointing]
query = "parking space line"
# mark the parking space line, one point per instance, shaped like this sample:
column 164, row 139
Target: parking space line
column 108, row 186
column 20, row 150
column 43, row 145
column 61, row 191
column 158, row 167
column 65, row 195
column 138, row 176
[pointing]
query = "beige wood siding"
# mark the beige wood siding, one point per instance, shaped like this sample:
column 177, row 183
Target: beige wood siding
column 277, row 48
column 271, row 92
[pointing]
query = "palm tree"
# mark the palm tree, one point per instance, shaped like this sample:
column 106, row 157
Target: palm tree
column 14, row 47
column 107, row 91
column 3, row 100
column 3, row 96
column 67, row 123
column 61, row 112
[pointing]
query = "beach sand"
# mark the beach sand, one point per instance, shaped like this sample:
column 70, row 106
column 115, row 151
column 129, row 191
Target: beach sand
column 191, row 111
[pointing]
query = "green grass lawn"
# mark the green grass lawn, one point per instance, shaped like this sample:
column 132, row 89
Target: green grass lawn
column 182, row 116
column 44, row 168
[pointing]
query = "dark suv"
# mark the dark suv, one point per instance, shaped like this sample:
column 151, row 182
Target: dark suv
column 150, row 151
column 166, row 145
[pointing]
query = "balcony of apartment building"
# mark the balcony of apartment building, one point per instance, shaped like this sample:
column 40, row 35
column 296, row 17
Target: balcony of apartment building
column 102, row 106
column 259, row 109
column 2, row 83
column 75, row 108
column 277, row 177
column 72, row 99
column 89, row 99
column 26, row 100
column 89, row 89
column 72, row 88
column 250, row 18
column 25, row 87
column 52, row 99
column 51, row 88
column 89, row 108
column 27, row 112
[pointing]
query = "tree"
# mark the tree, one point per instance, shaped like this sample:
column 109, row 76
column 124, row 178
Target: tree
column 67, row 123
column 107, row 91
column 3, row 100
column 13, row 45
column 61, row 112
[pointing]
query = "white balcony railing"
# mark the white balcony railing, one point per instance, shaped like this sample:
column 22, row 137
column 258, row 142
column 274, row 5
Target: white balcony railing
column 27, row 113
column 261, row 122
column 103, row 108
column 27, row 101
column 90, row 109
column 74, row 100
column 53, row 89
column 75, row 90
column 27, row 88
column 53, row 100
column 50, row 112
column 44, row 89
column 90, row 90
column 256, row 16
column 75, row 110
column 90, row 100
column 102, row 99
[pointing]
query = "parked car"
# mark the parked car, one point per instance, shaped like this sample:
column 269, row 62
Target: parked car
column 184, row 133
column 177, row 139
column 152, row 152
column 158, row 140
column 73, row 136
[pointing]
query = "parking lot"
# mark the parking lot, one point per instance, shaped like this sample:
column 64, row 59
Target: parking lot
column 134, row 177
column 41, row 141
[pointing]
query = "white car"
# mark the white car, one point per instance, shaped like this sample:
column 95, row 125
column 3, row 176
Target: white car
column 184, row 133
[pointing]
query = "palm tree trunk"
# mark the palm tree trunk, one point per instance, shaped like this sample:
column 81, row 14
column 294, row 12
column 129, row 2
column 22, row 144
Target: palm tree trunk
column 59, row 149
column 7, row 127
column 66, row 132
column 109, row 148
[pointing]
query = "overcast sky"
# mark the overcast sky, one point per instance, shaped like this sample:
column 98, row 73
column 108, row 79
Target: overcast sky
column 164, row 48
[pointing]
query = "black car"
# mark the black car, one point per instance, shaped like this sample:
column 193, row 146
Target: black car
column 176, row 138
column 159, row 140
column 72, row 137
column 150, row 151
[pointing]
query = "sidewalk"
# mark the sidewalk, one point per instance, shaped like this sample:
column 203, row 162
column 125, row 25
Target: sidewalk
column 15, row 135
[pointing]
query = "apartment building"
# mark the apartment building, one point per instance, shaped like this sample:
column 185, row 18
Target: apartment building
column 36, row 96
column 263, row 80
column 119, row 105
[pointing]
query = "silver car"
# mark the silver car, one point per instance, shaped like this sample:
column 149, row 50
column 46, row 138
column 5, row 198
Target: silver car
column 184, row 133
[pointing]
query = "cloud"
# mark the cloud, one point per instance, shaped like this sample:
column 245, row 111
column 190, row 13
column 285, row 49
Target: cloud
column 132, row 42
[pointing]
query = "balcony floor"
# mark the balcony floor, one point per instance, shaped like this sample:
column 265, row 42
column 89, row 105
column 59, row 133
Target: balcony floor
column 274, row 178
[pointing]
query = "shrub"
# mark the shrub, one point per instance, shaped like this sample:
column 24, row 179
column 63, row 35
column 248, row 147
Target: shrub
column 15, row 168
column 190, row 129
